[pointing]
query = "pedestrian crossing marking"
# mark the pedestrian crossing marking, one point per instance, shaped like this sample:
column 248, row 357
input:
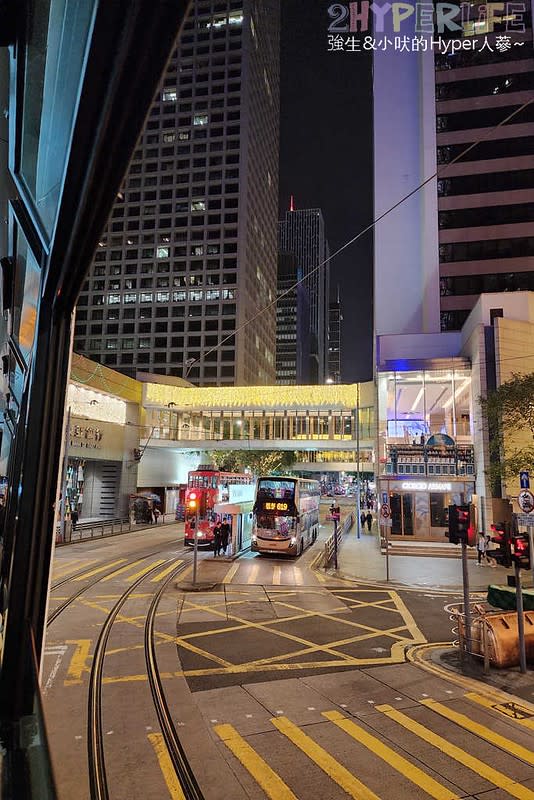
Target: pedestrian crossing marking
column 99, row 569
column 62, row 569
column 391, row 757
column 165, row 764
column 271, row 783
column 520, row 714
column 480, row 730
column 167, row 571
column 122, row 570
column 143, row 571
column 330, row 766
column 277, row 576
column 254, row 573
column 298, row 576
column 231, row 572
column 492, row 775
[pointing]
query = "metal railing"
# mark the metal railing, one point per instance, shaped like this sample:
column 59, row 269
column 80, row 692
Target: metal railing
column 472, row 639
column 332, row 544
column 92, row 530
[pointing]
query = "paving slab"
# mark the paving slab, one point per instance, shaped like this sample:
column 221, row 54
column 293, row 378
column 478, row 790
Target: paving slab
column 235, row 706
column 291, row 698
column 356, row 692
column 414, row 682
column 213, row 607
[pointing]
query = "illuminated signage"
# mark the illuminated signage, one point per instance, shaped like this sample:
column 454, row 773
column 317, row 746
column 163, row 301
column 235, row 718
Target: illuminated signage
column 269, row 505
column 426, row 486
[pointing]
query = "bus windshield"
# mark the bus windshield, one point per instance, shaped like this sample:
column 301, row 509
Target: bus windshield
column 272, row 522
column 281, row 489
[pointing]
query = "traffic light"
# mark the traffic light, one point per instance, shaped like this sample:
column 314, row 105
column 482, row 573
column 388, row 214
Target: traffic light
column 501, row 536
column 520, row 550
column 192, row 502
column 459, row 525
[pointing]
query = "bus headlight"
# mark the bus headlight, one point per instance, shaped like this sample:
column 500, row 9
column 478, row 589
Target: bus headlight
column 293, row 540
column 254, row 539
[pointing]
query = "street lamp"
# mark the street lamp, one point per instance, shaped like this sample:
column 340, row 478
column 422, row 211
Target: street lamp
column 358, row 508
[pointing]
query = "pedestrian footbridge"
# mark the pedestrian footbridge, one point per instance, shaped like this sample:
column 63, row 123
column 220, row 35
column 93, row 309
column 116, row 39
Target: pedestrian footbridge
column 330, row 427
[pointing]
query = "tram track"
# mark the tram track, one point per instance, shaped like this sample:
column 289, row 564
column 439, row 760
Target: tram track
column 95, row 737
column 66, row 603
column 176, row 751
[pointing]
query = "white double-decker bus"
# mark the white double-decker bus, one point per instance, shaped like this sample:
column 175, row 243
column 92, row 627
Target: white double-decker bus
column 286, row 515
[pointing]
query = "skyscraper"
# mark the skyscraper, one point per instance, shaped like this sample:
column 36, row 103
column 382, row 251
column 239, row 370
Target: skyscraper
column 302, row 233
column 190, row 252
column 469, row 230
column 293, row 355
column 335, row 318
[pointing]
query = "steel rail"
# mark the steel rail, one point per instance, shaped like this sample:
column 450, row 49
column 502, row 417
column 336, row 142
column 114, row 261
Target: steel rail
column 95, row 740
column 181, row 764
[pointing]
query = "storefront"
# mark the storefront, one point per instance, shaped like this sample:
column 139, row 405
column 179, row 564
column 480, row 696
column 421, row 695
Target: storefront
column 419, row 508
column 425, row 442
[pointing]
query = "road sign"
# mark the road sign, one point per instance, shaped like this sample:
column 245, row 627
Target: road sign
column 385, row 498
column 525, row 501
column 524, row 480
column 525, row 519
column 385, row 510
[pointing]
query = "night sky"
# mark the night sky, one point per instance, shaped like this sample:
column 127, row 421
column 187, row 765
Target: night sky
column 326, row 160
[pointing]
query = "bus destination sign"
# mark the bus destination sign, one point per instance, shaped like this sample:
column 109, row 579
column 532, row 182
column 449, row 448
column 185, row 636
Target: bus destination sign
column 271, row 505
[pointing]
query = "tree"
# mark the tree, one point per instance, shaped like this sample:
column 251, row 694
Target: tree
column 509, row 411
column 260, row 462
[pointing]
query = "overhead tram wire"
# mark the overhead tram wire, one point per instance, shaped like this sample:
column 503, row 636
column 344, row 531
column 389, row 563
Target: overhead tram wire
column 437, row 174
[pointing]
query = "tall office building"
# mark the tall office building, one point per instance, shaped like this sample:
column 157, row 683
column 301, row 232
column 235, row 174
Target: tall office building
column 293, row 354
column 486, row 199
column 190, row 251
column 302, row 233
column 468, row 231
column 335, row 318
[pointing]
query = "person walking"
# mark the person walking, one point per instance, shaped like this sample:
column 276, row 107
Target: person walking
column 481, row 549
column 369, row 520
column 225, row 535
column 216, row 539
column 156, row 514
column 363, row 517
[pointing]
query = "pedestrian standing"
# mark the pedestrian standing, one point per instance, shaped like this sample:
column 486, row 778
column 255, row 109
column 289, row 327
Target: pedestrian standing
column 74, row 518
column 225, row 535
column 369, row 520
column 362, row 519
column 216, row 539
column 156, row 514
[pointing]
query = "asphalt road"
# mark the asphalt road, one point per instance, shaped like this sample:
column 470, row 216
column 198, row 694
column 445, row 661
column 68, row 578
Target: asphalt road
column 281, row 682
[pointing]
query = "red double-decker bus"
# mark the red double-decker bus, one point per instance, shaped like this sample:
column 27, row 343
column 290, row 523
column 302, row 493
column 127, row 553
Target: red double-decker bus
column 206, row 487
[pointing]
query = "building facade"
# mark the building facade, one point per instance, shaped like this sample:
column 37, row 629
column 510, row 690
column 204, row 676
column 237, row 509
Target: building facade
column 189, row 254
column 462, row 223
column 486, row 198
column 335, row 318
column 302, row 233
column 293, row 355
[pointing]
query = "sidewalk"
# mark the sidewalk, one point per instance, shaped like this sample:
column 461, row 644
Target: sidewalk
column 362, row 559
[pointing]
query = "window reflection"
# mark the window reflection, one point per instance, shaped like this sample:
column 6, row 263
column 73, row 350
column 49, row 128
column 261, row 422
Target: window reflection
column 54, row 69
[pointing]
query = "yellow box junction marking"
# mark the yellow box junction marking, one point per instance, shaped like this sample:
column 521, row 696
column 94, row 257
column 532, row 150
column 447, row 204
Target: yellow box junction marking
column 99, row 569
column 271, row 783
column 165, row 763
column 503, row 742
column 512, row 711
column 492, row 775
column 391, row 757
column 78, row 662
column 167, row 571
column 336, row 771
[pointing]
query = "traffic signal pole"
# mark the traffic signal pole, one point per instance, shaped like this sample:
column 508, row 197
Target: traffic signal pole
column 195, row 556
column 520, row 618
column 467, row 606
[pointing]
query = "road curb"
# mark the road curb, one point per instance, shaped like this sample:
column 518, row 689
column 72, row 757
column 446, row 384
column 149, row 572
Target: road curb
column 424, row 656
